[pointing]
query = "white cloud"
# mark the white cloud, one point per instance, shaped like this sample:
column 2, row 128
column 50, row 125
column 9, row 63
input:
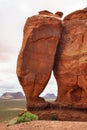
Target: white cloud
column 9, row 84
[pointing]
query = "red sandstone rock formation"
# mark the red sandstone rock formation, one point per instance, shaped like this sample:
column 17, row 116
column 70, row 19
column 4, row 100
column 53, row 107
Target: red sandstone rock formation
column 70, row 67
column 36, row 59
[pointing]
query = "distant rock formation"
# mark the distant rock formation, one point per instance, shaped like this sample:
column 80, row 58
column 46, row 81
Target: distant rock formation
column 50, row 96
column 12, row 95
column 36, row 59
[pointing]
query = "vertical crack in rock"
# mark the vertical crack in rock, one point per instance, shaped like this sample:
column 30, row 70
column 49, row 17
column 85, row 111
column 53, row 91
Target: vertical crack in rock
column 76, row 94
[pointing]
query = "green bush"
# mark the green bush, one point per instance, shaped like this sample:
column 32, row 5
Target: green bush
column 27, row 117
column 53, row 118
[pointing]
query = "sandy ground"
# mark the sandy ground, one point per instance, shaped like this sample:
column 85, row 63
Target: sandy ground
column 47, row 125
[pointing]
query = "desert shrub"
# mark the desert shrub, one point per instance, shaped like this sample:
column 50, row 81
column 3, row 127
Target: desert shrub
column 27, row 117
column 53, row 118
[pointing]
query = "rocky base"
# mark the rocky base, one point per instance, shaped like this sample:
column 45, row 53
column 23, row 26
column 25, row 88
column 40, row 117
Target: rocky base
column 62, row 114
column 55, row 111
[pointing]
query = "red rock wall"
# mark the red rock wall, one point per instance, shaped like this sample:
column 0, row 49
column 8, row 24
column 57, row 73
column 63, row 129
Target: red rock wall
column 70, row 67
column 36, row 59
column 43, row 51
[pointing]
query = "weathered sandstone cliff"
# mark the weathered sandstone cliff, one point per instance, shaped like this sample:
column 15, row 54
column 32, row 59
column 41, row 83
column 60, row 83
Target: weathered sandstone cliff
column 70, row 67
column 36, row 59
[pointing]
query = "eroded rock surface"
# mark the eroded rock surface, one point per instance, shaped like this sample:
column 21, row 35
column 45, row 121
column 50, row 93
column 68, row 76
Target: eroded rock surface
column 36, row 59
column 70, row 67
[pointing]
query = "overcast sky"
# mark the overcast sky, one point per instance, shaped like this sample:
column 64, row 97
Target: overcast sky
column 13, row 14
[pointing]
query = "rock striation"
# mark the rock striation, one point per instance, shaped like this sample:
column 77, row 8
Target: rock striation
column 36, row 59
column 70, row 68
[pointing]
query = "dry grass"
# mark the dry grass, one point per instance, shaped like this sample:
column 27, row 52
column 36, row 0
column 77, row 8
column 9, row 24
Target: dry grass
column 10, row 108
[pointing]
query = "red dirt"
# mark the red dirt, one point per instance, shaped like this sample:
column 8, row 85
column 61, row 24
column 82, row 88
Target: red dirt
column 47, row 125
